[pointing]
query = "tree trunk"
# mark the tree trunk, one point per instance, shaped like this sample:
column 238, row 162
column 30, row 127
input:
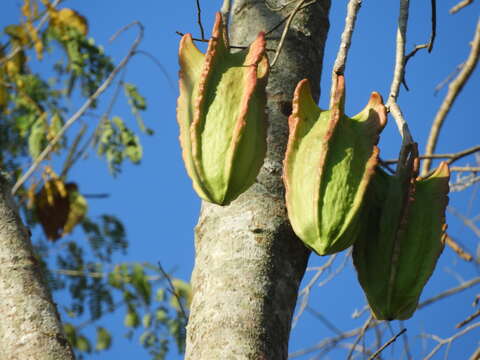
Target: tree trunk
column 30, row 327
column 249, row 263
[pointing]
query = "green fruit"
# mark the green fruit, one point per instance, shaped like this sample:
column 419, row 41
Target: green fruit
column 328, row 165
column 221, row 113
column 402, row 239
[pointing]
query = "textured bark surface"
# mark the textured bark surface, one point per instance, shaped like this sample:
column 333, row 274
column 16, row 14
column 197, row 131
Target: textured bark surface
column 249, row 263
column 30, row 327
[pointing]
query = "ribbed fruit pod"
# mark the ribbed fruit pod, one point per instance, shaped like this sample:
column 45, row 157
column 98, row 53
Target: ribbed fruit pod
column 328, row 165
column 221, row 114
column 402, row 239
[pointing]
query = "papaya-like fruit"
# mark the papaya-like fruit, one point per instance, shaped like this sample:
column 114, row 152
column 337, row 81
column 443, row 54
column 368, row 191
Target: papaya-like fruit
column 402, row 238
column 329, row 162
column 221, row 114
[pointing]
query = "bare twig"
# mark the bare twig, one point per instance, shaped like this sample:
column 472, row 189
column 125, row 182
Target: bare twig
column 447, row 79
column 340, row 61
column 466, row 285
column 173, row 290
column 361, row 334
column 83, row 108
column 199, row 19
column 465, row 183
column 465, row 168
column 429, row 45
column 329, row 343
column 458, row 249
column 285, row 18
column 305, row 292
column 406, row 346
column 71, row 152
column 433, row 4
column 358, row 348
column 193, row 38
column 468, row 319
column 468, row 223
column 452, row 157
column 324, row 320
column 442, row 342
column 475, row 355
column 408, row 57
column 159, row 65
column 392, row 340
column 398, row 75
column 460, row 6
column 285, row 30
column 206, row 40
column 454, row 89
column 399, row 54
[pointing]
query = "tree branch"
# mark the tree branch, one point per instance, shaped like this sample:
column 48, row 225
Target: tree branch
column 454, row 89
column 199, row 19
column 466, row 285
column 442, row 342
column 285, row 30
column 468, row 319
column 458, row 249
column 398, row 76
column 340, row 61
column 452, row 157
column 460, row 6
column 173, row 290
column 392, row 340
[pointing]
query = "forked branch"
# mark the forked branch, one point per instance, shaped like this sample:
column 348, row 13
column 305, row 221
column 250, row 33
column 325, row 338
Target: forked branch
column 454, row 89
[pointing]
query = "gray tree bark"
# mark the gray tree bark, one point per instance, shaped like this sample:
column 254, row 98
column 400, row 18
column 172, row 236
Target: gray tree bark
column 249, row 263
column 30, row 326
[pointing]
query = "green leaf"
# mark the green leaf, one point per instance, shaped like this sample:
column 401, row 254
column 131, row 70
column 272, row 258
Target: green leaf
column 161, row 314
column 183, row 291
column 131, row 318
column 141, row 284
column 104, row 339
column 117, row 142
column 70, row 332
column 160, row 296
column 24, row 123
column 38, row 136
column 115, row 279
column 137, row 103
column 147, row 339
column 83, row 344
column 147, row 320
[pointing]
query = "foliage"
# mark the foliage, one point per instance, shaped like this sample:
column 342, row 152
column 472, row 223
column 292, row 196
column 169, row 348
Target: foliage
column 76, row 250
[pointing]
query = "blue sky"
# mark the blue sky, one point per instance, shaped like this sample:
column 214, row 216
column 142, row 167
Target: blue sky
column 159, row 208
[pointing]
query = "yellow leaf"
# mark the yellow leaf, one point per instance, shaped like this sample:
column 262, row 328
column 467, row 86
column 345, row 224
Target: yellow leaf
column 78, row 208
column 37, row 42
column 67, row 18
column 30, row 11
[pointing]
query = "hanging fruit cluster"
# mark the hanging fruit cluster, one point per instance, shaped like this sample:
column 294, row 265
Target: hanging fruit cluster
column 402, row 238
column 336, row 195
column 221, row 114
column 332, row 158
